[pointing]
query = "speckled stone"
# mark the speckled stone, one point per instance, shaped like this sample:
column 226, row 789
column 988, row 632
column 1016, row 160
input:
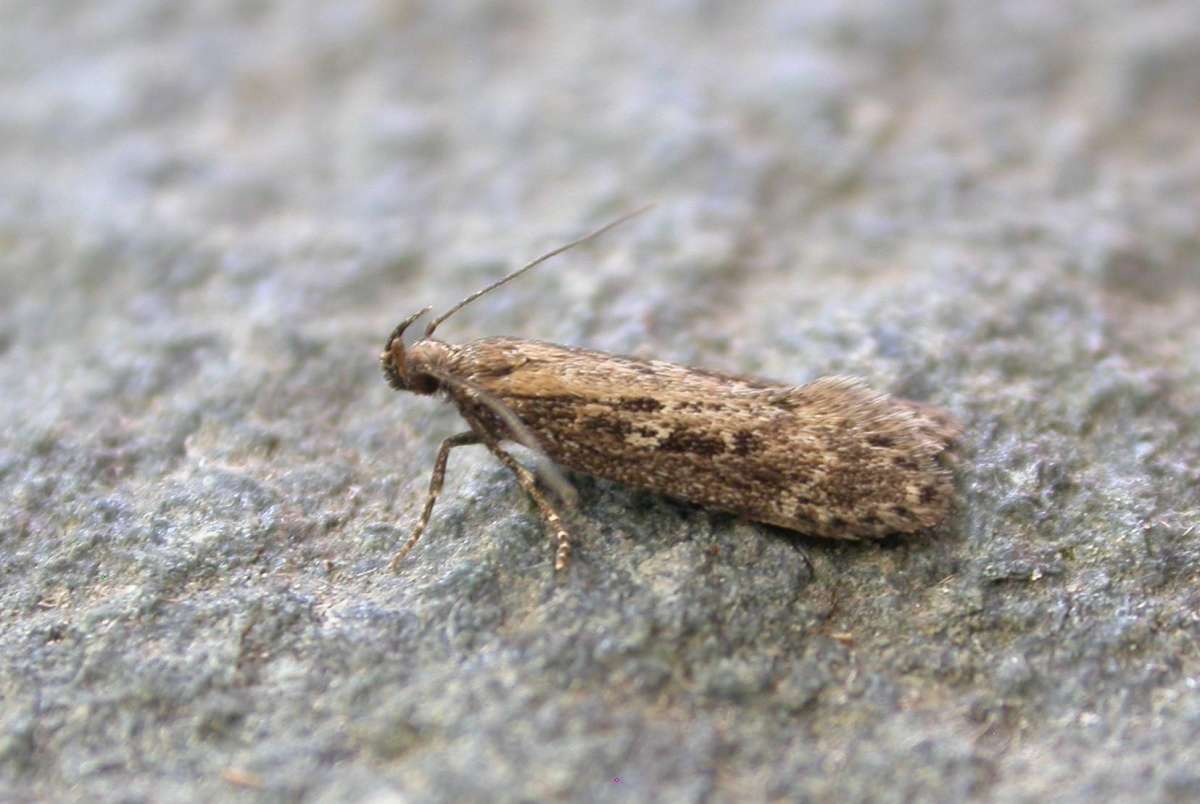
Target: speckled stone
column 211, row 215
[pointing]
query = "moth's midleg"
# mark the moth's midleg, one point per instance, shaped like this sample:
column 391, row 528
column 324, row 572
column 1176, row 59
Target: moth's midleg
column 435, row 488
column 528, row 482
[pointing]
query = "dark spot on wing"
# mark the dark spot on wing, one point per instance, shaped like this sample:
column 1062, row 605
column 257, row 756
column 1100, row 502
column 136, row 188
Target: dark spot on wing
column 746, row 442
column 690, row 441
column 639, row 404
column 881, row 441
column 618, row 428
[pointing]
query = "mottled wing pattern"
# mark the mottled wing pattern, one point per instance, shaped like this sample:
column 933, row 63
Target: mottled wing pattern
column 831, row 458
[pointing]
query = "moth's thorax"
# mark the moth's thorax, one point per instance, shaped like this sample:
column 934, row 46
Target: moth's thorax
column 427, row 355
column 416, row 368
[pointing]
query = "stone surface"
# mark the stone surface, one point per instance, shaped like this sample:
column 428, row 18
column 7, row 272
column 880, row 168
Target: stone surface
column 211, row 214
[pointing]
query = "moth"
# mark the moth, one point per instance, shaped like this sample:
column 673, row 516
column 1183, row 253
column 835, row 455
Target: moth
column 832, row 458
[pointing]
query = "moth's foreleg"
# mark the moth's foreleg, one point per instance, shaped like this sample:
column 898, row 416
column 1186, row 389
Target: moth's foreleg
column 528, row 482
column 435, row 488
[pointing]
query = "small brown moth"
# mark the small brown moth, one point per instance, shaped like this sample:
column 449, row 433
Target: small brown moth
column 832, row 458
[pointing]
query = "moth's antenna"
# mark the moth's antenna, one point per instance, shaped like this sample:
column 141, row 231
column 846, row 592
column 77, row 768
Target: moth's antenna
column 520, row 433
column 434, row 324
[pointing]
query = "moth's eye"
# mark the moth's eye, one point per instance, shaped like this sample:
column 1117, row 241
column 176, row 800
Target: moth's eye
column 422, row 384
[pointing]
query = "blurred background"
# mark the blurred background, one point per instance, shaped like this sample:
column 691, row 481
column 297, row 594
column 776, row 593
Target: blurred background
column 212, row 214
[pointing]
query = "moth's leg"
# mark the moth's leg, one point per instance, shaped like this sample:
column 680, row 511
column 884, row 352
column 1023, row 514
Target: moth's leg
column 435, row 488
column 528, row 482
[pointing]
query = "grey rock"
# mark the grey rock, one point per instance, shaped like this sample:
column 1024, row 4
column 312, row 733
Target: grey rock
column 211, row 215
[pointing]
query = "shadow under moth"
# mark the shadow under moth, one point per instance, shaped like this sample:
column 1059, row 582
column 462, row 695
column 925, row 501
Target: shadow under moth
column 832, row 458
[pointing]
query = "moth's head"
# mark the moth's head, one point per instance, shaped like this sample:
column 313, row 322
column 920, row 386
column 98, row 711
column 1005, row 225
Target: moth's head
column 408, row 370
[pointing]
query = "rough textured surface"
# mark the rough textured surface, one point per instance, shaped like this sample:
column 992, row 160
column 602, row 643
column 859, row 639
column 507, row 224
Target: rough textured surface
column 212, row 214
